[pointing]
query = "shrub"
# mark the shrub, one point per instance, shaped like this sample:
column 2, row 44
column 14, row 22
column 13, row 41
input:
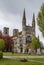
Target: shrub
column 23, row 59
column 2, row 45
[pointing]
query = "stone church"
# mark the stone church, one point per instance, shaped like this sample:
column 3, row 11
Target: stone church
column 23, row 38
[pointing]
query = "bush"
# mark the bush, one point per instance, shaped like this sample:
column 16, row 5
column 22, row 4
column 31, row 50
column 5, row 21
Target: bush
column 23, row 59
column 2, row 45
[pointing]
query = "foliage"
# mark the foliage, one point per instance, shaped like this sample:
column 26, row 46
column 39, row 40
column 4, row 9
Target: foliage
column 35, row 43
column 0, row 35
column 40, row 19
column 2, row 44
column 8, row 43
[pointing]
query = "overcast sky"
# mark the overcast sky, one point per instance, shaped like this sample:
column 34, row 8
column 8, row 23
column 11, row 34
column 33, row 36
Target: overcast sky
column 11, row 12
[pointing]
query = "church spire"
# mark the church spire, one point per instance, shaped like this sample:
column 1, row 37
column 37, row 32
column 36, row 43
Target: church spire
column 33, row 24
column 33, row 20
column 24, row 19
column 24, row 15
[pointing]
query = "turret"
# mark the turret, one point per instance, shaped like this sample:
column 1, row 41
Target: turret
column 6, row 31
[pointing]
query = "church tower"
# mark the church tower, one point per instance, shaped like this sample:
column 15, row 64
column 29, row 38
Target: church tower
column 6, row 31
column 24, row 21
column 33, row 24
column 24, row 30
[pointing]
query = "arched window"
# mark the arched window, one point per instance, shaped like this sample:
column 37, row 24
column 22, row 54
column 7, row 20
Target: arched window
column 28, row 39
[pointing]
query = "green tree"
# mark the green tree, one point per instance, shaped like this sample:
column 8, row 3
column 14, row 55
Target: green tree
column 40, row 19
column 35, row 43
column 2, row 45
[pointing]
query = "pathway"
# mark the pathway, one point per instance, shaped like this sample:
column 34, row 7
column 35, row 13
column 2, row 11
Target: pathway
column 14, row 57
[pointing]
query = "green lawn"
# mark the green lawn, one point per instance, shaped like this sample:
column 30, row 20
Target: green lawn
column 38, row 59
column 14, row 54
column 19, row 54
column 17, row 62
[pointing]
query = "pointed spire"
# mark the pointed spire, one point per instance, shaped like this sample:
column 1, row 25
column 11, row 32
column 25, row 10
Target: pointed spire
column 24, row 16
column 33, row 20
column 33, row 24
column 24, row 19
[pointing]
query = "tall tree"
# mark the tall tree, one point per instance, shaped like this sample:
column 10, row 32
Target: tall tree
column 40, row 19
column 35, row 43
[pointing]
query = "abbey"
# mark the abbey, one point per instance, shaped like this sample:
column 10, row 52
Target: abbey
column 23, row 39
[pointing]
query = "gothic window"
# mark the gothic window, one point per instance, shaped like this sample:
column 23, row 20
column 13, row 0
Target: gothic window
column 28, row 39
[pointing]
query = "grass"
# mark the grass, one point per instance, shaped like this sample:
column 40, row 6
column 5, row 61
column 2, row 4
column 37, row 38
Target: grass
column 17, row 62
column 19, row 54
column 14, row 54
column 38, row 59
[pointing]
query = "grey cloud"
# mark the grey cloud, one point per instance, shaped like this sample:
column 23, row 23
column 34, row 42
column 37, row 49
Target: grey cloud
column 17, row 6
column 13, row 6
column 12, row 11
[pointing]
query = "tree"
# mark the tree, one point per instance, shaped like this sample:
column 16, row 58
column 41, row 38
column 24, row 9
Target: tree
column 40, row 19
column 35, row 43
column 2, row 45
column 1, row 35
column 8, row 43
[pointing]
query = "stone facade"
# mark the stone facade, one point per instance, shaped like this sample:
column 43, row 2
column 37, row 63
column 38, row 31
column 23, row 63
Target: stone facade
column 15, row 31
column 5, row 31
column 25, row 36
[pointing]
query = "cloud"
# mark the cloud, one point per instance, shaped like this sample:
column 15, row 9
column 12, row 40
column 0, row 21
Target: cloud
column 11, row 12
column 11, row 21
